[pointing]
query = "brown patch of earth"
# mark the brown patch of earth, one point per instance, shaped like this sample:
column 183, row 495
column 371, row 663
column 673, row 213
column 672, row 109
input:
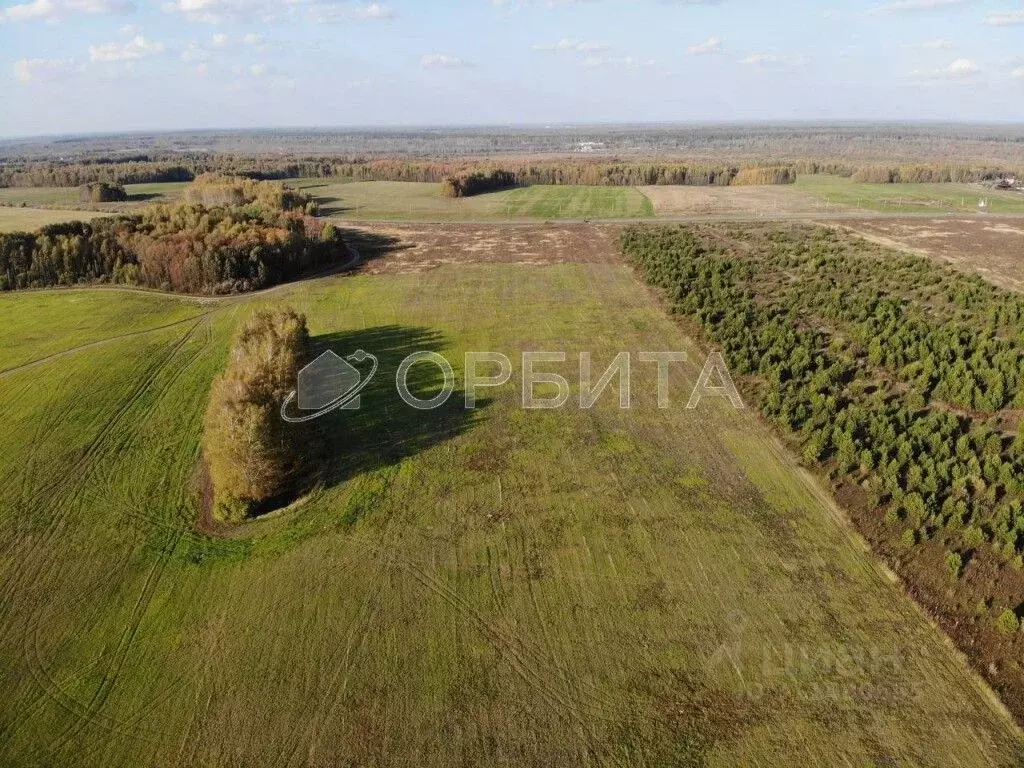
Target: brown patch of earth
column 992, row 248
column 419, row 247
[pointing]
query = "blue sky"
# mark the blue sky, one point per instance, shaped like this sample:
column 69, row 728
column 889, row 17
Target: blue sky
column 107, row 65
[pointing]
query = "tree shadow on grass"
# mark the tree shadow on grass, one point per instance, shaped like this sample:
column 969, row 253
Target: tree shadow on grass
column 384, row 430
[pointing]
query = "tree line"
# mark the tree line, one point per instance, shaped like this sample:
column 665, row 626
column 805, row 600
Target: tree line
column 555, row 171
column 190, row 247
column 467, row 184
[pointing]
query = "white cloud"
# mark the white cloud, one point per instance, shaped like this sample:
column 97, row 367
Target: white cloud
column 373, row 11
column 195, row 52
column 54, row 10
column 711, row 45
column 568, row 45
column 219, row 39
column 958, row 70
column 941, row 44
column 773, row 60
column 917, row 6
column 216, row 11
column 252, row 39
column 1017, row 73
column 628, row 62
column 26, row 70
column 1005, row 18
column 129, row 30
column 443, row 61
column 257, row 70
column 137, row 48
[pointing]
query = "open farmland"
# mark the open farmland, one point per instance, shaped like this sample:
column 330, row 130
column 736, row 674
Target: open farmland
column 370, row 200
column 741, row 201
column 67, row 197
column 29, row 219
column 500, row 587
column 839, row 194
column 993, row 248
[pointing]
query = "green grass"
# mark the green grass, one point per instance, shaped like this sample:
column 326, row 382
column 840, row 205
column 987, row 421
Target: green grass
column 909, row 198
column 375, row 200
column 499, row 587
column 36, row 324
column 31, row 219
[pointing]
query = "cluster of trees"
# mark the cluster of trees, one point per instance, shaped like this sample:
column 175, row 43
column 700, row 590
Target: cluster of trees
column 252, row 455
column 101, row 192
column 930, row 174
column 764, row 176
column 467, row 184
column 792, row 310
column 187, row 247
column 216, row 189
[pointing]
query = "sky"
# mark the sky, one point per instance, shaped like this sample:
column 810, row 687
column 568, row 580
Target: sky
column 80, row 66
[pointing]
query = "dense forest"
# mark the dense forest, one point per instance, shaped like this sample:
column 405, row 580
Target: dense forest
column 239, row 235
column 901, row 379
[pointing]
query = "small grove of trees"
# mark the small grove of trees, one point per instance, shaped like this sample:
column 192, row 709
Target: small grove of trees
column 467, row 184
column 188, row 247
column 764, row 176
column 252, row 455
column 101, row 192
column 214, row 190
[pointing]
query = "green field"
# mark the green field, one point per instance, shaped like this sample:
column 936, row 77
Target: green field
column 31, row 219
column 36, row 324
column 375, row 200
column 909, row 198
column 67, row 197
column 497, row 587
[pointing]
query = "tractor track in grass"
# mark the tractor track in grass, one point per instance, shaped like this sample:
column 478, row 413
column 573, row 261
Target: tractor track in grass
column 526, row 663
column 92, row 713
column 62, row 491
column 86, row 466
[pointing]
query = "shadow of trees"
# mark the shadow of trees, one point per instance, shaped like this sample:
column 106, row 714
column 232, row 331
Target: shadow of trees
column 371, row 245
column 385, row 430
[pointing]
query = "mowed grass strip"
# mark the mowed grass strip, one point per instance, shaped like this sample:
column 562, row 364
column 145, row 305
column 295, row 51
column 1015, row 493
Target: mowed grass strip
column 400, row 200
column 497, row 587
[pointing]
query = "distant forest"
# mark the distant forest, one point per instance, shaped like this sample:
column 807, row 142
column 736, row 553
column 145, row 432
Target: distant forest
column 599, row 155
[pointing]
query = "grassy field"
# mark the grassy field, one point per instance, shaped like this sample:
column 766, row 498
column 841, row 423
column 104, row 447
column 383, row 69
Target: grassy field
column 30, row 219
column 375, row 200
column 36, row 324
column 908, row 198
column 67, row 197
column 497, row 587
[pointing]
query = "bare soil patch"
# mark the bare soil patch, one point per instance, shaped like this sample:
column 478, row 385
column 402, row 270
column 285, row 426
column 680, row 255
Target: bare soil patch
column 419, row 247
column 722, row 201
column 993, row 248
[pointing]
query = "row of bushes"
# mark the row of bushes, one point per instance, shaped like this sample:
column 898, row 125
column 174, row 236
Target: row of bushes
column 795, row 313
